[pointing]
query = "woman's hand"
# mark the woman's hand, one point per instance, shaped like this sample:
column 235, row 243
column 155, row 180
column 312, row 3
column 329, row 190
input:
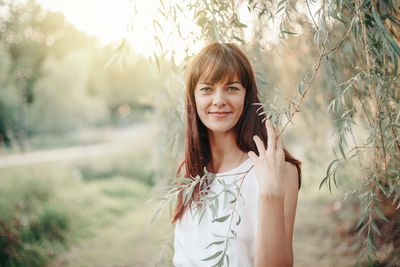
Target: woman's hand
column 269, row 164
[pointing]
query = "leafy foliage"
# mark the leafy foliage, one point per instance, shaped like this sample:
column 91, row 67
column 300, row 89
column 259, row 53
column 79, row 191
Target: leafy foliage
column 356, row 51
column 54, row 79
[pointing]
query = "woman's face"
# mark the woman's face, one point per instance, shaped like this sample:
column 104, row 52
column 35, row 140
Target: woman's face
column 219, row 105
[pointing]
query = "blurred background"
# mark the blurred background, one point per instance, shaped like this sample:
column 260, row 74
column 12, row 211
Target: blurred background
column 91, row 124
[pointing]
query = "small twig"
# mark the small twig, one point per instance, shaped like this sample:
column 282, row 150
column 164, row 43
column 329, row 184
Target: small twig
column 392, row 129
column 362, row 104
column 341, row 41
column 234, row 207
column 358, row 147
column 295, row 104
column 359, row 156
column 383, row 149
column 309, row 10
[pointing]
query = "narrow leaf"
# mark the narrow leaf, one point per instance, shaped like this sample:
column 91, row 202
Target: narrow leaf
column 221, row 219
column 215, row 243
column 213, row 256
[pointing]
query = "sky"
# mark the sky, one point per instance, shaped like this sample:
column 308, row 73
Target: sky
column 105, row 19
column 109, row 21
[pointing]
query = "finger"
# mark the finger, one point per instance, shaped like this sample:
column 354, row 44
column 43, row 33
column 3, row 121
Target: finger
column 259, row 144
column 271, row 135
column 252, row 155
column 278, row 138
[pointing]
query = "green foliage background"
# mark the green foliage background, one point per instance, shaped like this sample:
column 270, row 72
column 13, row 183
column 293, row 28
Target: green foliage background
column 54, row 79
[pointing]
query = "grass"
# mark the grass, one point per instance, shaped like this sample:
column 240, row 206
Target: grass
column 48, row 207
column 129, row 240
column 51, row 204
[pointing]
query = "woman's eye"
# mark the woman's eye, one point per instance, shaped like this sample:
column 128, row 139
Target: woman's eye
column 205, row 89
column 233, row 89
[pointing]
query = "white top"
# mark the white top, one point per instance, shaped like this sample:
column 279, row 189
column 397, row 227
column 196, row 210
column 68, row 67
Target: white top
column 192, row 237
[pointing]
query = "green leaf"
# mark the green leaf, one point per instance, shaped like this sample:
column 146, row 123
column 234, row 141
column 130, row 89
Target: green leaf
column 155, row 216
column 221, row 260
column 341, row 148
column 288, row 32
column 239, row 220
column 156, row 57
column 213, row 256
column 300, row 88
column 239, row 39
column 241, row 25
column 361, row 230
column 396, row 197
column 215, row 243
column 202, row 215
column 380, row 24
column 221, row 219
column 380, row 214
column 188, row 195
column 281, row 3
column 234, row 233
column 375, row 227
column 279, row 10
column 371, row 241
column 359, row 257
column 366, row 213
column 349, row 4
column 183, row 180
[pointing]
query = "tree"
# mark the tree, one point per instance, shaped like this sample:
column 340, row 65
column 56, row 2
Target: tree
column 355, row 45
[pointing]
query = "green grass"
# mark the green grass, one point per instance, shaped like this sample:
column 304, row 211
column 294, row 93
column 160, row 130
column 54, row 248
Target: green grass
column 48, row 208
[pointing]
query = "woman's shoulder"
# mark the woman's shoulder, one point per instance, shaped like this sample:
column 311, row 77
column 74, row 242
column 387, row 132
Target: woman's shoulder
column 291, row 176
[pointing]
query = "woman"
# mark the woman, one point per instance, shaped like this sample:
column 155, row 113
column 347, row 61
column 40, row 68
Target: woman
column 225, row 132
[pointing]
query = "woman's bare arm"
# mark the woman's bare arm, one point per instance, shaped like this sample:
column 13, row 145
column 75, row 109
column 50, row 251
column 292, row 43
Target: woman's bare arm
column 278, row 184
column 276, row 222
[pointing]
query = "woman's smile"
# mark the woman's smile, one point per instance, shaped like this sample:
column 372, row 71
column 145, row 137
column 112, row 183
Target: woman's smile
column 220, row 114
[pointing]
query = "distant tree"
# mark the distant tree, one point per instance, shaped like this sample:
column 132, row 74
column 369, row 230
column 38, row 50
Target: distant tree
column 55, row 79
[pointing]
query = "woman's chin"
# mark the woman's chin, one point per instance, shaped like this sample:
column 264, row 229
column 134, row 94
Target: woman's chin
column 220, row 130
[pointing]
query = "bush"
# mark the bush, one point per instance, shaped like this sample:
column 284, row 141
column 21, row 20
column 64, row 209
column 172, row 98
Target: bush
column 28, row 224
column 137, row 166
column 51, row 224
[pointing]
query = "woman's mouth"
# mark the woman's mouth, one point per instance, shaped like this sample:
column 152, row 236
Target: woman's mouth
column 219, row 114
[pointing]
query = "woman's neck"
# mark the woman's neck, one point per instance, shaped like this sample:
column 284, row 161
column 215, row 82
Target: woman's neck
column 225, row 153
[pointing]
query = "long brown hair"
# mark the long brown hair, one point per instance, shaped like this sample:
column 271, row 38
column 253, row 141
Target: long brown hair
column 215, row 62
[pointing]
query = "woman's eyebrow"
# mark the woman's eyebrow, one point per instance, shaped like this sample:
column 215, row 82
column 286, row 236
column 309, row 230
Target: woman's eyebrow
column 230, row 83
column 206, row 83
column 209, row 83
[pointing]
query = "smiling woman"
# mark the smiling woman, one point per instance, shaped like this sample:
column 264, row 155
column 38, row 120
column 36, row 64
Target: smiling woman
column 225, row 135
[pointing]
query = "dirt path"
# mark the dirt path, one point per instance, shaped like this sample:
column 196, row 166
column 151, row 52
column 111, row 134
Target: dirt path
column 129, row 241
column 114, row 142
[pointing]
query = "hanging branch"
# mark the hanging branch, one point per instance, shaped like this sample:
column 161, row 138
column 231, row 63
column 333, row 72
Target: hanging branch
column 317, row 64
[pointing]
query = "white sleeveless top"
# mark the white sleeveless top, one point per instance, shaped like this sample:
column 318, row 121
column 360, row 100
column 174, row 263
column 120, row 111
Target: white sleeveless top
column 192, row 237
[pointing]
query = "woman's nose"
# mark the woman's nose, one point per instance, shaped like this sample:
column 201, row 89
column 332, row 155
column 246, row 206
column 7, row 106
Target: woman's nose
column 219, row 98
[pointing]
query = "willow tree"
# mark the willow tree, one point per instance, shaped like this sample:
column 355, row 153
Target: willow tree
column 357, row 44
